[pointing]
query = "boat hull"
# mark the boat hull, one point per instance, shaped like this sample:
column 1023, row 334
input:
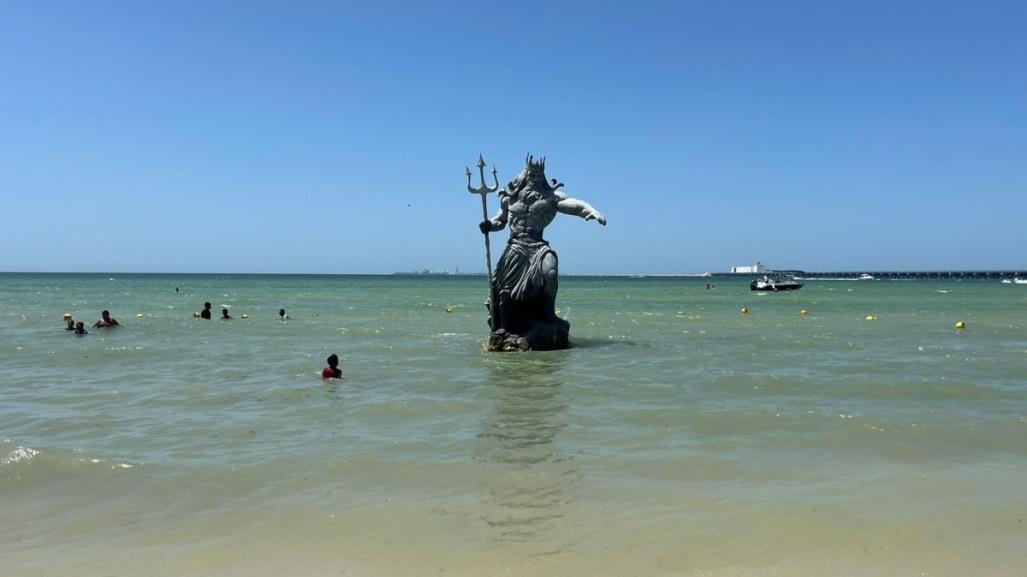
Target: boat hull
column 774, row 287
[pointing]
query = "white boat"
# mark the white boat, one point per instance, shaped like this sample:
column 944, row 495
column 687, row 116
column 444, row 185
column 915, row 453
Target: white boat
column 1020, row 280
column 774, row 284
column 866, row 276
column 1007, row 281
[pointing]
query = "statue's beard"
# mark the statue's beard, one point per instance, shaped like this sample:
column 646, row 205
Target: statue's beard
column 532, row 194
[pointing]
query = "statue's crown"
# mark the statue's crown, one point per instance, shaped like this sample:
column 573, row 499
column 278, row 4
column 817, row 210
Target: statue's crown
column 533, row 166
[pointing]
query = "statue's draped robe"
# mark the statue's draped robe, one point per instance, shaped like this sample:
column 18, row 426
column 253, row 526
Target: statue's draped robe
column 519, row 271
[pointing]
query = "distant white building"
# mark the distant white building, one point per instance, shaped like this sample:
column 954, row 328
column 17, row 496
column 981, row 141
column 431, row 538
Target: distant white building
column 756, row 268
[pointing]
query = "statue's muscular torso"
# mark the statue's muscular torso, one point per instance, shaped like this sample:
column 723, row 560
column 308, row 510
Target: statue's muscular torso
column 530, row 212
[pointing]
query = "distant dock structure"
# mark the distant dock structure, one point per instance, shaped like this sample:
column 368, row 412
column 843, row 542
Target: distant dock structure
column 759, row 268
column 914, row 275
column 869, row 274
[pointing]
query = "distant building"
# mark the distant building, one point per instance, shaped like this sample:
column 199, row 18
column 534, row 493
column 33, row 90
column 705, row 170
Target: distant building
column 756, row 268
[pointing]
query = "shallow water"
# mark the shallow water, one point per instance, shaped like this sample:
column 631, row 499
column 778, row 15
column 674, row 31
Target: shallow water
column 678, row 436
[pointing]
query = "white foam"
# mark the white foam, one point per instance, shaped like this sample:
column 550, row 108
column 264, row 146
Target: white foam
column 19, row 454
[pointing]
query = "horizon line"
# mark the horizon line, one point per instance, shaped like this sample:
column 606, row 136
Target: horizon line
column 446, row 273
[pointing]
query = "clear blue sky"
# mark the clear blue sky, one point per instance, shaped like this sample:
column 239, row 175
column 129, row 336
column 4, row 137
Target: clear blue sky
column 332, row 137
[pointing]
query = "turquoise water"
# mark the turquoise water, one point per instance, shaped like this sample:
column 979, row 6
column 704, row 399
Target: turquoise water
column 678, row 436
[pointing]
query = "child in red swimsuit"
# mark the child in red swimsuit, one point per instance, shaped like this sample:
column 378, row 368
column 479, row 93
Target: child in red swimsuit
column 332, row 371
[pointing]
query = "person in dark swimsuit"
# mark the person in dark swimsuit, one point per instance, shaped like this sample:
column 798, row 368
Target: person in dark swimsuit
column 106, row 320
column 224, row 314
column 80, row 329
column 205, row 313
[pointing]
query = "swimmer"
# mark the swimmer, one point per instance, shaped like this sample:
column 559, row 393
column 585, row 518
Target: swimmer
column 332, row 371
column 80, row 329
column 282, row 315
column 71, row 324
column 205, row 313
column 106, row 320
column 224, row 314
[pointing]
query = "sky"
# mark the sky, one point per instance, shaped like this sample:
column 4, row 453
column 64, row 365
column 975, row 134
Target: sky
column 332, row 137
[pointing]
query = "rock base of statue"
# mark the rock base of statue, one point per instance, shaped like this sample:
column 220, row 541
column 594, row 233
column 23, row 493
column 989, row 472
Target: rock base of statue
column 541, row 336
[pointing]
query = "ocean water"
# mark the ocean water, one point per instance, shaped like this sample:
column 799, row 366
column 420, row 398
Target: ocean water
column 677, row 437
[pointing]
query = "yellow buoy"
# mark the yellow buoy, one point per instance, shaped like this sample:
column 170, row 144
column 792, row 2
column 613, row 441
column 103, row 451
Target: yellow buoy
column 449, row 309
column 960, row 325
column 139, row 315
column 196, row 315
column 804, row 312
column 245, row 316
column 871, row 317
column 745, row 310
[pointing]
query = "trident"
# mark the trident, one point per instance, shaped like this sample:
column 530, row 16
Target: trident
column 483, row 190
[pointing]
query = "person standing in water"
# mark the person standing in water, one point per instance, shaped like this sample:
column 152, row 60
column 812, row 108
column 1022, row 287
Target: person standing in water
column 80, row 329
column 205, row 313
column 332, row 371
column 224, row 314
column 106, row 320
column 282, row 315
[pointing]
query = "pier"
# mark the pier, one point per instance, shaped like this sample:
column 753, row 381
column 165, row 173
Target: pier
column 912, row 275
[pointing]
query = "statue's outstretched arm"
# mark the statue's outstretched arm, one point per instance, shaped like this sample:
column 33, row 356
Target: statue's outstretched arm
column 498, row 222
column 573, row 206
